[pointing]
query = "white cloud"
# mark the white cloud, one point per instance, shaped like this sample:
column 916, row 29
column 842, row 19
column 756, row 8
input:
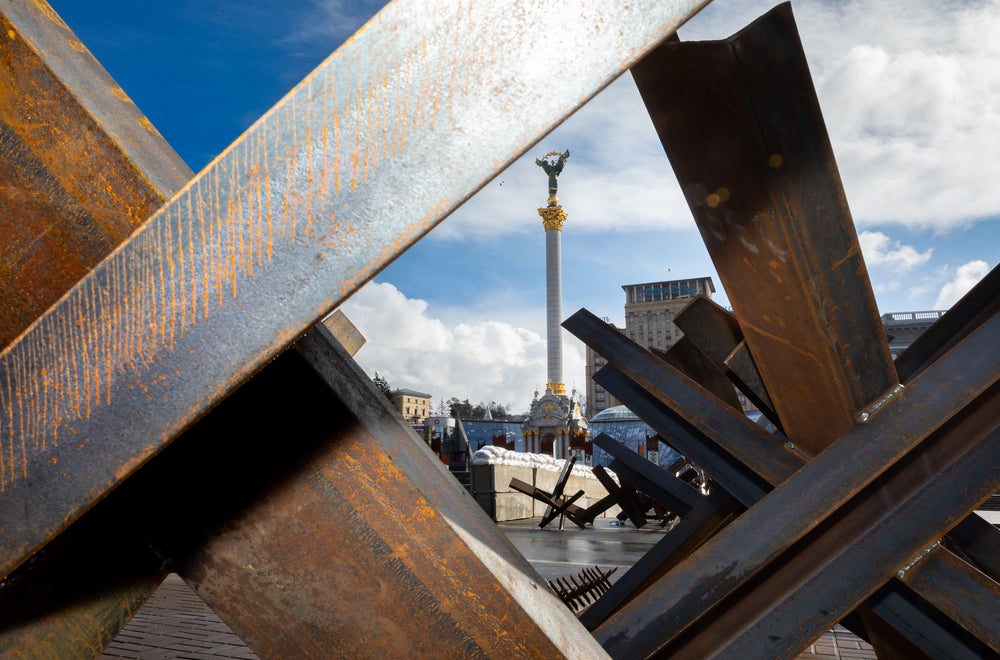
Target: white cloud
column 880, row 251
column 909, row 91
column 481, row 360
column 329, row 21
column 617, row 177
column 965, row 278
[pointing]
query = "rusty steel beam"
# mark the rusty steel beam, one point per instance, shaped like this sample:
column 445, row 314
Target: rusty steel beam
column 808, row 497
column 979, row 543
column 726, row 470
column 81, row 168
column 928, row 631
column 875, row 535
column 780, row 168
column 698, row 408
column 686, row 356
column 905, row 624
column 717, row 334
column 315, row 523
column 672, row 492
column 361, row 159
column 310, row 512
column 80, row 165
column 741, row 125
column 977, row 538
column 717, row 509
column 959, row 590
column 74, row 596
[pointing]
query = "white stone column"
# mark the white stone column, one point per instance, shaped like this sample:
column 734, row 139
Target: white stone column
column 552, row 219
column 553, row 303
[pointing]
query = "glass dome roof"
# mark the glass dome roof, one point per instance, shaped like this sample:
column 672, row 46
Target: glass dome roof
column 614, row 413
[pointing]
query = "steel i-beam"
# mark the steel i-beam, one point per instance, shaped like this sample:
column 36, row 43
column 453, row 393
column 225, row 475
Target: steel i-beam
column 80, row 166
column 361, row 159
column 741, row 125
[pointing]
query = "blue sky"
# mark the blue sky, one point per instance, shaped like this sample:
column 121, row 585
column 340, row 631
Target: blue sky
column 910, row 93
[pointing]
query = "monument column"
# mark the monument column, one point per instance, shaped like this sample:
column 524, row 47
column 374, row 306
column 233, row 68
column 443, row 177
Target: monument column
column 553, row 217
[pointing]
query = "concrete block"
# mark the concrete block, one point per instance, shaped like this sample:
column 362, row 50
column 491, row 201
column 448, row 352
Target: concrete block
column 482, row 479
column 546, row 479
column 496, row 478
column 512, row 506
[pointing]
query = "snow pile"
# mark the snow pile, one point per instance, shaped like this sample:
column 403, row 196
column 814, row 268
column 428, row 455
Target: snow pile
column 490, row 455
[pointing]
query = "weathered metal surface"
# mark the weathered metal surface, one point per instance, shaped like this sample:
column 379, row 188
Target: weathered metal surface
column 741, row 126
column 698, row 408
column 928, row 632
column 346, row 333
column 959, row 590
column 687, row 358
column 678, row 495
column 717, row 334
column 823, row 576
column 726, row 470
column 979, row 542
column 759, row 176
column 814, row 492
column 80, row 166
column 695, row 528
column 71, row 599
column 580, row 591
column 329, row 529
column 909, row 627
column 648, row 409
column 339, row 178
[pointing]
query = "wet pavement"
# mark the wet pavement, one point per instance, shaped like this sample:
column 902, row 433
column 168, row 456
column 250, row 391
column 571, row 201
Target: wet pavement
column 555, row 553
column 175, row 623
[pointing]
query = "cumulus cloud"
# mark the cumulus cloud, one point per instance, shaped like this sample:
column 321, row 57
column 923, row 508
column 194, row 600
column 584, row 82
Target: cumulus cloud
column 908, row 92
column 880, row 251
column 909, row 96
column 478, row 359
column 617, row 177
column 964, row 278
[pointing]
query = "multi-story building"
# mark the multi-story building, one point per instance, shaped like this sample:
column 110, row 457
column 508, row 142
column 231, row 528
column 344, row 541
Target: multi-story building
column 649, row 312
column 414, row 406
column 598, row 398
column 901, row 328
column 650, row 309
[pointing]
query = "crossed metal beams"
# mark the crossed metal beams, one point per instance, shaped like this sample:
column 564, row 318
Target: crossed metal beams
column 334, row 182
column 360, row 160
column 308, row 203
column 865, row 480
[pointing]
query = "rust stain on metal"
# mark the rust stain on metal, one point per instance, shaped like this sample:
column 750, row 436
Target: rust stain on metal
column 234, row 238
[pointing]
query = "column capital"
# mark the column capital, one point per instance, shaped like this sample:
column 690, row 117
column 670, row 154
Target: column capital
column 553, row 217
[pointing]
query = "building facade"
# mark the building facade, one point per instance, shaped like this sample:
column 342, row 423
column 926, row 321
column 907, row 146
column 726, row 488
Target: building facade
column 649, row 312
column 650, row 309
column 414, row 406
column 901, row 328
column 598, row 398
